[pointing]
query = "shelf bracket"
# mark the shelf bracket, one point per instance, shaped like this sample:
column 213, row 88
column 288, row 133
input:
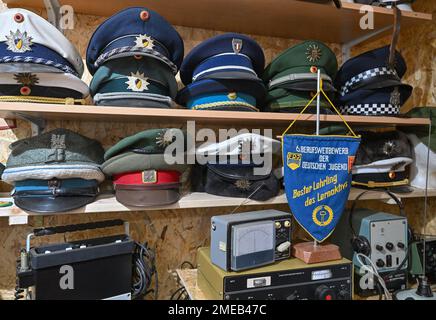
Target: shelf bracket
column 36, row 124
column 346, row 47
column 54, row 13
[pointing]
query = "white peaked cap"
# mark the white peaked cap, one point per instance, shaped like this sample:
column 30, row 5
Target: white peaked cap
column 42, row 32
column 258, row 144
column 418, row 169
column 54, row 80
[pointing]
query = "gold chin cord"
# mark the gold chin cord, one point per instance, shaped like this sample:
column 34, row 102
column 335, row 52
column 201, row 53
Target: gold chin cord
column 35, row 99
column 373, row 184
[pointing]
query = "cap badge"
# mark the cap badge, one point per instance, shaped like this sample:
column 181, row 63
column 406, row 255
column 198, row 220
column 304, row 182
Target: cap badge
column 58, row 141
column 243, row 184
column 19, row 42
column 246, row 147
column 137, row 82
column 232, row 95
column 313, row 53
column 395, row 97
column 164, row 138
column 144, row 41
column 389, row 148
column 149, row 176
column 237, row 45
column 26, row 79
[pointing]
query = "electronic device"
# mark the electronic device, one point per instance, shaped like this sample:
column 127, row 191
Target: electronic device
column 91, row 269
column 417, row 256
column 289, row 279
column 423, row 292
column 383, row 238
column 251, row 239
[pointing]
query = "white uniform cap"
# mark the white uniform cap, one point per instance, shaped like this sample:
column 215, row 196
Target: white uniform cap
column 54, row 80
column 248, row 143
column 384, row 166
column 41, row 32
column 418, row 169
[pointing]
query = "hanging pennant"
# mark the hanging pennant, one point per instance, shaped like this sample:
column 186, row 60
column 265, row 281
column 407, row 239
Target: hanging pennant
column 317, row 174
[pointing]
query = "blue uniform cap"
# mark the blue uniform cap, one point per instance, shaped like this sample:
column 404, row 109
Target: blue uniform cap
column 225, row 94
column 135, row 31
column 226, row 56
column 370, row 70
column 51, row 196
column 374, row 102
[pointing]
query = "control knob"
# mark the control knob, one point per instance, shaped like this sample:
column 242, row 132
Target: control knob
column 390, row 246
column 324, row 293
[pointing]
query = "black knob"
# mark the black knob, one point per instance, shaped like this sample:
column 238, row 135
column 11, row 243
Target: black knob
column 379, row 247
column 324, row 293
column 401, row 245
column 390, row 246
column 380, row 263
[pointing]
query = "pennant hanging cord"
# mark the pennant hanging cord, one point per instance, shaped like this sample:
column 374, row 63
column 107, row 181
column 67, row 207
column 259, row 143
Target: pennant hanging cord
column 330, row 102
column 339, row 114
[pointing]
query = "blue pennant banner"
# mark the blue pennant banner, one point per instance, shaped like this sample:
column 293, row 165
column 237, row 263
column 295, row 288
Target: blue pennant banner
column 318, row 179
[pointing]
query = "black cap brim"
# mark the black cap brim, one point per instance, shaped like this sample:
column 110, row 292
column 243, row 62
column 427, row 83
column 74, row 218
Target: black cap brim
column 52, row 204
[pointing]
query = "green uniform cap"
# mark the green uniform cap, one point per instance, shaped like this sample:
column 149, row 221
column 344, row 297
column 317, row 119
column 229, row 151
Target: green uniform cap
column 297, row 67
column 283, row 100
column 153, row 141
column 145, row 78
column 134, row 162
column 60, row 146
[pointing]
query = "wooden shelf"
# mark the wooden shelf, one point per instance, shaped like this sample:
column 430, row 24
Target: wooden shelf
column 234, row 118
column 108, row 203
column 281, row 18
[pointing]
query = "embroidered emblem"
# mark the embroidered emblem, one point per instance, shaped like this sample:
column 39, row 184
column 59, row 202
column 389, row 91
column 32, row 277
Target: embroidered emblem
column 19, row 42
column 323, row 216
column 243, row 184
column 165, row 138
column 395, row 97
column 144, row 41
column 313, row 53
column 26, row 79
column 137, row 82
column 58, row 141
column 237, row 45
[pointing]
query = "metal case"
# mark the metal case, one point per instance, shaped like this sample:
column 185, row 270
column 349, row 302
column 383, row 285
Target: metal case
column 251, row 239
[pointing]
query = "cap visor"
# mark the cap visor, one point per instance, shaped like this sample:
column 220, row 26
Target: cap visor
column 52, row 204
column 147, row 198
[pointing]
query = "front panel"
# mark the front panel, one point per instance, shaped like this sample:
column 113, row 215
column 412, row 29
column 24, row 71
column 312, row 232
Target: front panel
column 321, row 283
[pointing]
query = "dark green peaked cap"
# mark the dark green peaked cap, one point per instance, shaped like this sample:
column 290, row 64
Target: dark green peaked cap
column 300, row 59
column 153, row 141
column 55, row 147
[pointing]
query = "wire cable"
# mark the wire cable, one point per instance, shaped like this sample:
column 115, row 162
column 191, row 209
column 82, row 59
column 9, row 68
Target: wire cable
column 371, row 268
column 143, row 272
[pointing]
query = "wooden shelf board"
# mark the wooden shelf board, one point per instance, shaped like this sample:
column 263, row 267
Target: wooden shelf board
column 125, row 114
column 108, row 203
column 281, row 18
